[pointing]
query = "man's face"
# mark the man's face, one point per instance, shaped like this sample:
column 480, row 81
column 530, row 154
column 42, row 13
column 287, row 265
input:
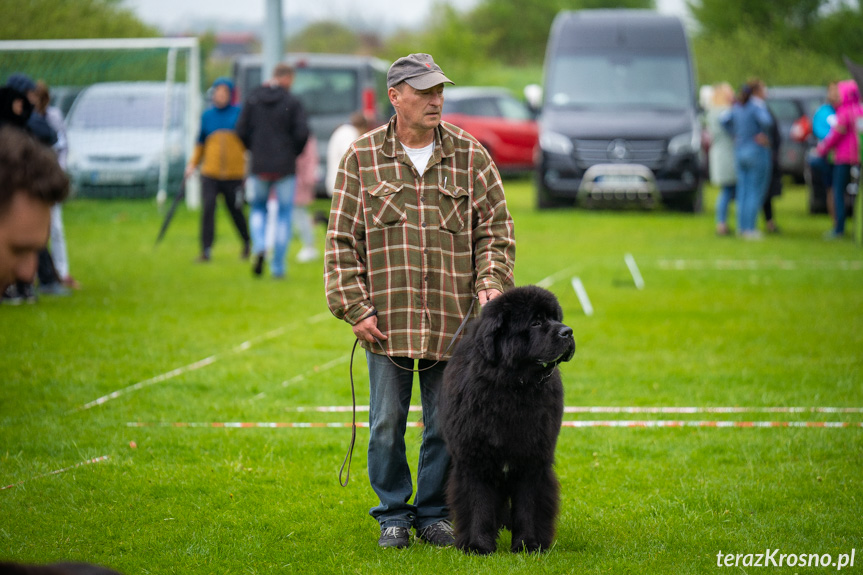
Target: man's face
column 285, row 81
column 23, row 232
column 418, row 109
column 221, row 96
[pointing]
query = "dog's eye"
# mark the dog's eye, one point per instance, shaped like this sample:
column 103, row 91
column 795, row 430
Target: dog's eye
column 536, row 323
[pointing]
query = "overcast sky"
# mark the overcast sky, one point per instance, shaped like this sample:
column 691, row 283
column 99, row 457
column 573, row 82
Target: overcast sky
column 385, row 13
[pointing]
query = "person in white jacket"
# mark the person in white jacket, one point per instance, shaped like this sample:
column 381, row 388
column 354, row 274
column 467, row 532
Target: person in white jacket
column 340, row 141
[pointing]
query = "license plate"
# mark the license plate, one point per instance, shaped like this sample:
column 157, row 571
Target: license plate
column 112, row 178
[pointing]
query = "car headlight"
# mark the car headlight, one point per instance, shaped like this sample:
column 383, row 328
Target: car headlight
column 688, row 143
column 555, row 143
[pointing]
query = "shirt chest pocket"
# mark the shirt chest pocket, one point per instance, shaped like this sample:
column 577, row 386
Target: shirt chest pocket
column 453, row 206
column 387, row 205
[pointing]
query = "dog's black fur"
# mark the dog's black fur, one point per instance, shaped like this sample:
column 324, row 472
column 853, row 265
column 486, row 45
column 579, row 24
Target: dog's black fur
column 501, row 411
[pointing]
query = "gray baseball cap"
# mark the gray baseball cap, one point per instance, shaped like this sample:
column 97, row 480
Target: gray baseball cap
column 418, row 70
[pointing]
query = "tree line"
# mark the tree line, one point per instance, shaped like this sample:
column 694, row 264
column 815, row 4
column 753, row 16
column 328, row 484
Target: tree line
column 781, row 41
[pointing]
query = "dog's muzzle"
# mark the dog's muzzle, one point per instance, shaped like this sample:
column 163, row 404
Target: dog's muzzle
column 564, row 332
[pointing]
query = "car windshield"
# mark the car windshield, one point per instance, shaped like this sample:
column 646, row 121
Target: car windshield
column 124, row 110
column 326, row 90
column 619, row 81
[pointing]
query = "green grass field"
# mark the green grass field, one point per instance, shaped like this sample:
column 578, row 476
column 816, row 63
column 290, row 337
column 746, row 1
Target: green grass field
column 720, row 323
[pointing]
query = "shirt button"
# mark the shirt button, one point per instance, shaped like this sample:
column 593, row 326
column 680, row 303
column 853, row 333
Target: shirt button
column 426, row 251
column 424, row 224
column 422, row 199
column 426, row 278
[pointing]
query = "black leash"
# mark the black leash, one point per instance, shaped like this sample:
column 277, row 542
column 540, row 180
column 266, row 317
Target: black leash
column 350, row 454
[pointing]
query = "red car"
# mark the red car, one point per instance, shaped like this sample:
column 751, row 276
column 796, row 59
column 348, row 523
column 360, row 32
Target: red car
column 501, row 123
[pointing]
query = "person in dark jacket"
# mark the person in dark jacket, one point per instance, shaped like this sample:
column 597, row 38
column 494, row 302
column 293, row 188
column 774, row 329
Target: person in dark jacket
column 274, row 129
column 220, row 155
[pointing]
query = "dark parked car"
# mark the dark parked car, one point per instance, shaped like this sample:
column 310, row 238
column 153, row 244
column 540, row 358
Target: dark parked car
column 793, row 107
column 619, row 122
column 331, row 88
column 501, row 123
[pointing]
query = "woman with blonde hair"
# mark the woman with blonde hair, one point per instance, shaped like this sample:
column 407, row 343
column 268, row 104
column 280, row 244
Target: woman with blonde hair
column 721, row 155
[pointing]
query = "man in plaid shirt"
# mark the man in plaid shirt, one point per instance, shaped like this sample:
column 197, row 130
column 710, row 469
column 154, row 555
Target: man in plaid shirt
column 418, row 228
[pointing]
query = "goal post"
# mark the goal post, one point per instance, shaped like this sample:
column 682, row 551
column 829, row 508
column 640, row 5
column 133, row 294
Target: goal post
column 75, row 64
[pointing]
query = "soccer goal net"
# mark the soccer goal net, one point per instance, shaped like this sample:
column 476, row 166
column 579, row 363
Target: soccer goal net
column 131, row 107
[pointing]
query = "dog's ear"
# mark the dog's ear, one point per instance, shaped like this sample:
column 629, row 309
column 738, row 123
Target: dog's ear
column 488, row 335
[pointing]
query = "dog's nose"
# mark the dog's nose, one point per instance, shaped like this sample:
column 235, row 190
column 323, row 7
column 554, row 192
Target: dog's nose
column 565, row 331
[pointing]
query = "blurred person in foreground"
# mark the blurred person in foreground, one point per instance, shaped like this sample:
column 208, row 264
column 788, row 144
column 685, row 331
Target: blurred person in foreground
column 304, row 224
column 748, row 122
column 273, row 127
column 17, row 108
column 31, row 182
column 220, row 155
column 418, row 230
column 843, row 141
column 822, row 120
column 721, row 165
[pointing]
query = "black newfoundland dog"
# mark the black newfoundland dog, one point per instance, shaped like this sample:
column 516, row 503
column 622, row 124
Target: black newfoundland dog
column 501, row 410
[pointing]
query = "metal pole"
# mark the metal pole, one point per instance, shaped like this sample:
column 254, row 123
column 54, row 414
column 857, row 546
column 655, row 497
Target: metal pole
column 162, row 194
column 273, row 38
column 193, row 119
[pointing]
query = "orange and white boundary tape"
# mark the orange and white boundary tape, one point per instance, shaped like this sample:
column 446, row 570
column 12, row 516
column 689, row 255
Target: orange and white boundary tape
column 624, row 409
column 584, row 423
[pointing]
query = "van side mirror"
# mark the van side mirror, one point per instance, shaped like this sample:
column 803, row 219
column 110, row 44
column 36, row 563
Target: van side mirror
column 533, row 96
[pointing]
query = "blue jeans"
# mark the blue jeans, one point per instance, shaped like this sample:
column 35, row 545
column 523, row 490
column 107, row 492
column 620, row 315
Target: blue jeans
column 726, row 196
column 752, row 163
column 841, row 177
column 389, row 473
column 258, row 218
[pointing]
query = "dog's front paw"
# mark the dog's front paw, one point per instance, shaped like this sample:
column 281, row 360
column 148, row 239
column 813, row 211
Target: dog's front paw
column 527, row 545
column 477, row 546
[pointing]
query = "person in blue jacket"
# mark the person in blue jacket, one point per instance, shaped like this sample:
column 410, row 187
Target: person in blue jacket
column 748, row 122
column 220, row 154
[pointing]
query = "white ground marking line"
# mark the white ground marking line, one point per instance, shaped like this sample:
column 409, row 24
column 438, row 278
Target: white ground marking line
column 625, row 409
column 555, row 277
column 582, row 296
column 607, row 423
column 314, row 371
column 729, row 264
column 200, row 363
column 633, row 269
column 58, row 471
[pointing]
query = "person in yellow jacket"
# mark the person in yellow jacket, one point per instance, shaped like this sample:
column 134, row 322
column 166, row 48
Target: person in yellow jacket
column 220, row 155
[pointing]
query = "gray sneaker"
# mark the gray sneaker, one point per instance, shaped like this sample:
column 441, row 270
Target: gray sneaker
column 440, row 534
column 396, row 537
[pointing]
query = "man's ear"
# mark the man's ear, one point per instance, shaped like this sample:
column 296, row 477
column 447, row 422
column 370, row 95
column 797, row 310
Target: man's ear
column 393, row 95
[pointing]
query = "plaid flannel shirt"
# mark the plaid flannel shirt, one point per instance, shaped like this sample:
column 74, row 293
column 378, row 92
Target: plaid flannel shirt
column 416, row 249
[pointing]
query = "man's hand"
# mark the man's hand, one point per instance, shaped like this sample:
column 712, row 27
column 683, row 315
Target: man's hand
column 487, row 295
column 367, row 330
column 190, row 169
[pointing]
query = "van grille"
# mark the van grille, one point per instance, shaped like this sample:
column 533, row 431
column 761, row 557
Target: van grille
column 650, row 153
